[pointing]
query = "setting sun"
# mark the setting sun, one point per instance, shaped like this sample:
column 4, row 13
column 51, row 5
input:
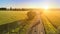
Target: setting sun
column 45, row 7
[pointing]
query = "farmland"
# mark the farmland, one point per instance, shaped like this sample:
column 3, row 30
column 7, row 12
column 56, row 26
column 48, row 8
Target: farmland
column 51, row 21
column 10, row 16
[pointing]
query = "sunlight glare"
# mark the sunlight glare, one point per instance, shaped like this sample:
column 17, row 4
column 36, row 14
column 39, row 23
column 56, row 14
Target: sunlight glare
column 45, row 7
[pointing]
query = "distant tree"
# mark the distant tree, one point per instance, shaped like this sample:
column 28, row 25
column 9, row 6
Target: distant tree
column 2, row 8
column 10, row 8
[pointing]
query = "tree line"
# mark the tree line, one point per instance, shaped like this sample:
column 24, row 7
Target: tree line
column 14, row 9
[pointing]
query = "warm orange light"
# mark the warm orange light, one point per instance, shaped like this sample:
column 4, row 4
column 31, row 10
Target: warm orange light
column 45, row 7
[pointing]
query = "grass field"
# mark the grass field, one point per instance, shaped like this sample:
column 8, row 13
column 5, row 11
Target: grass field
column 10, row 16
column 51, row 20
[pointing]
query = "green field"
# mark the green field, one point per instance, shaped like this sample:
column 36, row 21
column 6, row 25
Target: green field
column 51, row 21
column 10, row 16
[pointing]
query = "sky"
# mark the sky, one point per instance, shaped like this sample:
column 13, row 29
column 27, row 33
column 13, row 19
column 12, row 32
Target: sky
column 30, row 3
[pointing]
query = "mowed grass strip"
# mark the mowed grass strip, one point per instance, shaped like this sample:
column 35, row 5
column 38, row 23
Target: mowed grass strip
column 10, row 16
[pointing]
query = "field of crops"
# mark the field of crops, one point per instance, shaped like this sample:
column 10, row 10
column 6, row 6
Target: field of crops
column 51, row 21
column 10, row 16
